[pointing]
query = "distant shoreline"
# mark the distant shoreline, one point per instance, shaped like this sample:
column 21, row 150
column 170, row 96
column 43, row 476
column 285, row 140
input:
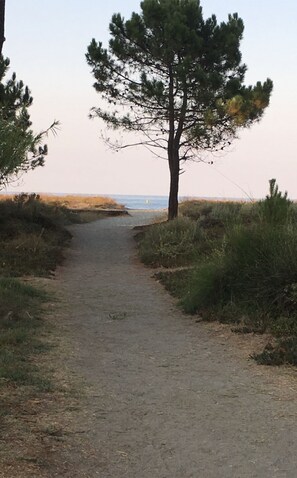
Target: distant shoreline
column 137, row 202
column 182, row 198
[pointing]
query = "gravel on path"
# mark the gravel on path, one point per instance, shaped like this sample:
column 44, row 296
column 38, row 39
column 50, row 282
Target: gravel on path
column 164, row 398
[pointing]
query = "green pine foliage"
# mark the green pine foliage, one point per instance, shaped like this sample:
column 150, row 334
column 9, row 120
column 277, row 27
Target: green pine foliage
column 178, row 79
column 276, row 208
column 20, row 149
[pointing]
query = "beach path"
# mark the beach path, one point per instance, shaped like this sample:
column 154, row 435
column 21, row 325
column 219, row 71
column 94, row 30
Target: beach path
column 162, row 396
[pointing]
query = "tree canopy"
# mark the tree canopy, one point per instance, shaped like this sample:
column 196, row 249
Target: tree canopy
column 178, row 79
column 20, row 148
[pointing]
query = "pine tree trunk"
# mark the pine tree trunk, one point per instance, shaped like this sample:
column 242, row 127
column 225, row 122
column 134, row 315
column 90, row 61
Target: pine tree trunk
column 2, row 20
column 173, row 152
column 174, row 182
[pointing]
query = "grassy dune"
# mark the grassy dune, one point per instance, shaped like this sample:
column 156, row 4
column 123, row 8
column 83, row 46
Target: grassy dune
column 73, row 201
column 234, row 262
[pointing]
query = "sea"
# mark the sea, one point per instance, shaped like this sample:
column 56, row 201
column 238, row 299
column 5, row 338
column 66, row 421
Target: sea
column 157, row 202
column 141, row 202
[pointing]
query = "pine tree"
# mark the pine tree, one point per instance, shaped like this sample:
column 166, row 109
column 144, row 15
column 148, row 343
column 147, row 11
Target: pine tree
column 276, row 208
column 20, row 148
column 178, row 80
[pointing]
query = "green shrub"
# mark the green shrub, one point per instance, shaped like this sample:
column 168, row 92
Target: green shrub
column 217, row 216
column 276, row 208
column 32, row 235
column 195, row 209
column 256, row 267
column 30, row 209
column 205, row 286
column 249, row 213
column 172, row 243
column 227, row 212
column 31, row 254
column 244, row 258
column 176, row 282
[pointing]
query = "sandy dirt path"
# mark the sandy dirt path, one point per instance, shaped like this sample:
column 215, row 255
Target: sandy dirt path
column 164, row 397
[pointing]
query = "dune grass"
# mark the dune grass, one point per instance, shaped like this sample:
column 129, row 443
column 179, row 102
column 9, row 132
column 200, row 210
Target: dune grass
column 239, row 267
column 33, row 233
column 32, row 236
column 172, row 244
column 73, row 201
column 20, row 319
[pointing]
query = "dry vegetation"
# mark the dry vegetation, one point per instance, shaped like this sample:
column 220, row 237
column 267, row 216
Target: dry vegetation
column 76, row 202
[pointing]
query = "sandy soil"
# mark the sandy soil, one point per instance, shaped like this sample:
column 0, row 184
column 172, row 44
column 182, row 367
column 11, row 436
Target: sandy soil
column 163, row 395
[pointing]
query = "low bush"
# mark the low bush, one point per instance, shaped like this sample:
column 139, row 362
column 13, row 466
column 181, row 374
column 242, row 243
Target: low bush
column 195, row 209
column 172, row 243
column 241, row 266
column 228, row 213
column 206, row 282
column 256, row 266
column 32, row 236
column 276, row 208
column 176, row 282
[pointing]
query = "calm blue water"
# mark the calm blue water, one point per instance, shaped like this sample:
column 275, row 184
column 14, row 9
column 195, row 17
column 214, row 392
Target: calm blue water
column 152, row 202
column 141, row 202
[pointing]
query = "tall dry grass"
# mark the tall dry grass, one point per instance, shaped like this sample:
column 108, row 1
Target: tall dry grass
column 73, row 201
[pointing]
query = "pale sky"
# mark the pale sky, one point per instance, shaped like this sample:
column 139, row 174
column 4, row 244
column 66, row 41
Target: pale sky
column 46, row 42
